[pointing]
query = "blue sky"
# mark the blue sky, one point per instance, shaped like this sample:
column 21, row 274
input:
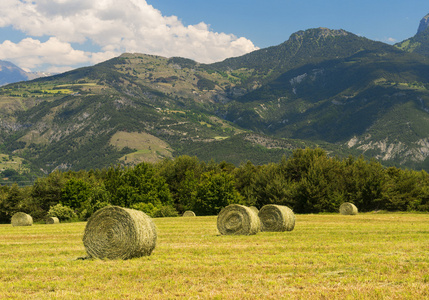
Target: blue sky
column 271, row 22
column 59, row 35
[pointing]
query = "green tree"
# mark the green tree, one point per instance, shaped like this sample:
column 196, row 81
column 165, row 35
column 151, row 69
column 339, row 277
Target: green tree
column 18, row 199
column 46, row 191
column 246, row 177
column 215, row 191
column 271, row 187
column 140, row 184
column 367, row 183
column 12, row 202
column 74, row 193
column 4, row 216
column 405, row 189
column 182, row 175
column 317, row 190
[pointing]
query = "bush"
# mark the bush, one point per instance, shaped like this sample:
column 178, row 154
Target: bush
column 147, row 208
column 165, row 211
column 64, row 213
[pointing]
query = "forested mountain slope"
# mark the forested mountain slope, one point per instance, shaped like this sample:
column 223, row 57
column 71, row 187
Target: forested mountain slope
column 322, row 87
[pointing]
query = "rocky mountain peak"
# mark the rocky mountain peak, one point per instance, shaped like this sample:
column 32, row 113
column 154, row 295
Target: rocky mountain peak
column 424, row 24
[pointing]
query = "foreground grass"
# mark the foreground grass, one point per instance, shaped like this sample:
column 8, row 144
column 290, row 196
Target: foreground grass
column 368, row 256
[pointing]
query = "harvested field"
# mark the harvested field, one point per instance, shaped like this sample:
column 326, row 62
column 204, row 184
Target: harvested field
column 328, row 256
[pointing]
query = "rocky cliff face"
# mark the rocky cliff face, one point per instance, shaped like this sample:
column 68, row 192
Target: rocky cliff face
column 424, row 23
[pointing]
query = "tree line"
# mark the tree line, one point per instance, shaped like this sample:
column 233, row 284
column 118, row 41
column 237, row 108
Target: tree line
column 309, row 181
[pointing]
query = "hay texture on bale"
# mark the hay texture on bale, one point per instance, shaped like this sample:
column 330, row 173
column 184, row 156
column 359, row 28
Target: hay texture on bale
column 237, row 219
column 348, row 208
column 52, row 220
column 189, row 213
column 255, row 209
column 21, row 219
column 114, row 232
column 276, row 218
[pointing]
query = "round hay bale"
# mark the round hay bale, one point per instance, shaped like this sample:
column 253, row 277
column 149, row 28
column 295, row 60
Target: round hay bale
column 21, row 219
column 237, row 219
column 189, row 213
column 276, row 218
column 255, row 209
column 114, row 232
column 52, row 220
column 348, row 208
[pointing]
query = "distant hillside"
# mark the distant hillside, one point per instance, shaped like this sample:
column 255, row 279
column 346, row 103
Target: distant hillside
column 321, row 88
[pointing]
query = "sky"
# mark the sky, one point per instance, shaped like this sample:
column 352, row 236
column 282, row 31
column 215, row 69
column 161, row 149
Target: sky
column 59, row 35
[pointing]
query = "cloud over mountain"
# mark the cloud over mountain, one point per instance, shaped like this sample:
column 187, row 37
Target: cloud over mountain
column 79, row 32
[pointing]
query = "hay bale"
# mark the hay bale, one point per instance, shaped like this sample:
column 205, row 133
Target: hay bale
column 189, row 213
column 348, row 208
column 276, row 218
column 255, row 209
column 114, row 232
column 237, row 219
column 21, row 219
column 52, row 220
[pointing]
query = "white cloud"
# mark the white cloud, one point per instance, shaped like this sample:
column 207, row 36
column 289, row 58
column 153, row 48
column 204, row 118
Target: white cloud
column 114, row 26
column 58, row 56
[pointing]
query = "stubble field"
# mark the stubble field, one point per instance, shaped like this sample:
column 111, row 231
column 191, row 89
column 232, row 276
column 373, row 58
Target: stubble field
column 368, row 256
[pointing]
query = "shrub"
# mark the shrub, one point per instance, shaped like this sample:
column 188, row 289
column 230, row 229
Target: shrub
column 147, row 208
column 64, row 213
column 165, row 211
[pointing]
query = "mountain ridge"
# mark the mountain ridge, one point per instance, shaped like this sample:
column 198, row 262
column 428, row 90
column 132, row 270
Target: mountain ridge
column 10, row 73
column 419, row 43
column 320, row 88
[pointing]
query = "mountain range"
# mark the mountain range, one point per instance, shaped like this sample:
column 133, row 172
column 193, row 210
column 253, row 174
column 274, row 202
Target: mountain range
column 321, row 88
column 10, row 73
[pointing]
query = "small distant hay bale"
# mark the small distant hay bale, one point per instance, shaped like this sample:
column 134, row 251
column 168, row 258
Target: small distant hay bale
column 52, row 220
column 348, row 208
column 21, row 219
column 114, row 232
column 276, row 218
column 237, row 219
column 189, row 213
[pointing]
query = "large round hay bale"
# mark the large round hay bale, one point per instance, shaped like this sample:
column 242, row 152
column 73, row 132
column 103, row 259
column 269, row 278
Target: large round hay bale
column 237, row 219
column 348, row 208
column 277, row 218
column 52, row 220
column 189, row 213
column 21, row 219
column 114, row 232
